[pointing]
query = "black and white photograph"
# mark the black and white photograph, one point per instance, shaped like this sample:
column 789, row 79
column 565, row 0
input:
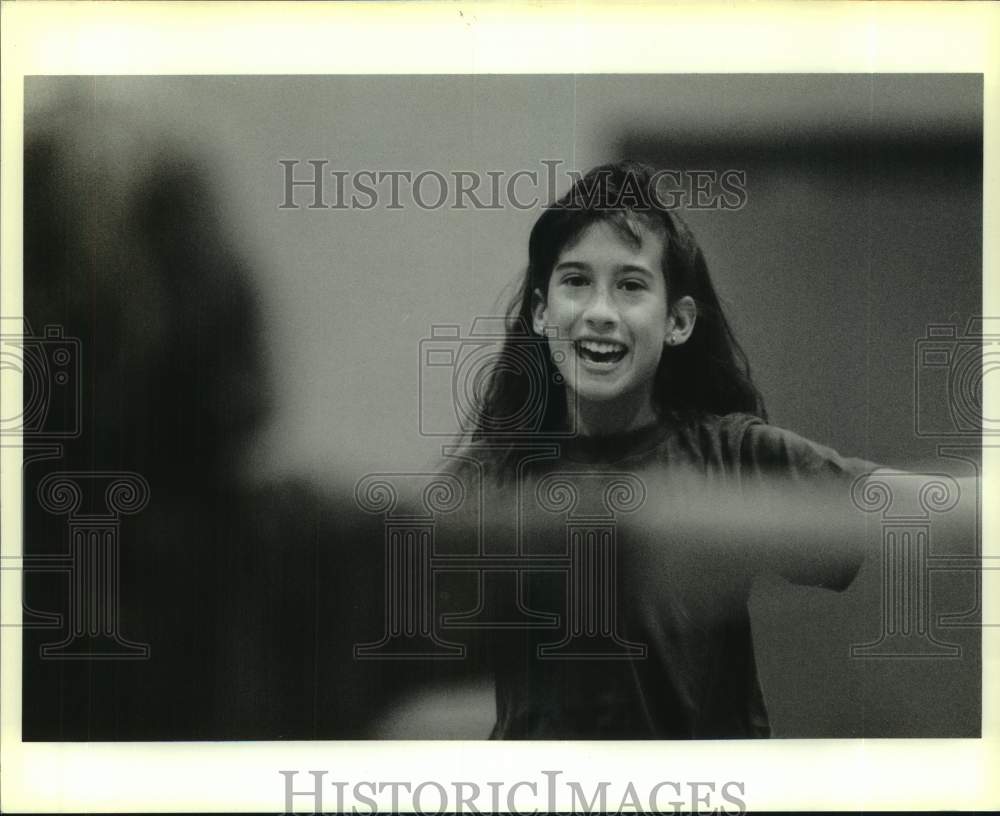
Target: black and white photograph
column 411, row 410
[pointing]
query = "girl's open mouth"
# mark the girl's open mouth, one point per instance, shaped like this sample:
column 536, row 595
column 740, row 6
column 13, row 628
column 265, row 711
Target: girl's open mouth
column 602, row 353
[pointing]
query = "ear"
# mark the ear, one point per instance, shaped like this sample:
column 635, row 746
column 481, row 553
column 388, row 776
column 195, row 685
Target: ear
column 681, row 320
column 538, row 312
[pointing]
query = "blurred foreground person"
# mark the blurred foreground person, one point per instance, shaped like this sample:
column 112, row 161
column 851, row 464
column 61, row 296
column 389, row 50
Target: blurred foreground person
column 249, row 596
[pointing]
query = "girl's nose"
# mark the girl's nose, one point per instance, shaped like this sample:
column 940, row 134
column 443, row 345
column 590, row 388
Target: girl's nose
column 600, row 311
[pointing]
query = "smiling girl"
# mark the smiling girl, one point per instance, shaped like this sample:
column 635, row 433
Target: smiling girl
column 618, row 318
column 618, row 288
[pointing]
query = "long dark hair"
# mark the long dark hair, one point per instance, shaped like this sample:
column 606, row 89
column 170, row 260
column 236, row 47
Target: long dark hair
column 709, row 374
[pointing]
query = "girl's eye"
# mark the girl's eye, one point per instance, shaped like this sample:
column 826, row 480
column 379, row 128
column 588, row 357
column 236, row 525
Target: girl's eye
column 633, row 285
column 575, row 280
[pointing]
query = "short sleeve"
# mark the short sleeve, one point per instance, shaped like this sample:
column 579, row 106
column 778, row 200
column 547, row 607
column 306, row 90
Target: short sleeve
column 798, row 468
column 770, row 452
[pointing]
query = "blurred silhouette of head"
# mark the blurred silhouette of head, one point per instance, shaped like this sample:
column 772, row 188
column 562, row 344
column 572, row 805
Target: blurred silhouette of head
column 125, row 248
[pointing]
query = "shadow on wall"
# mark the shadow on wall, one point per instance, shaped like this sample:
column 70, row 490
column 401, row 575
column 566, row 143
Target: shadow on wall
column 250, row 597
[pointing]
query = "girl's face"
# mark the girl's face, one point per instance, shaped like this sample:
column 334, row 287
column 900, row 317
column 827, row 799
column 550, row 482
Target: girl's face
column 608, row 302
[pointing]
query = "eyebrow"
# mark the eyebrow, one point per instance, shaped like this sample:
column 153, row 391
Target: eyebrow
column 627, row 268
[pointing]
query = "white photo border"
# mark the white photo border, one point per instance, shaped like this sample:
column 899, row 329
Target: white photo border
column 461, row 38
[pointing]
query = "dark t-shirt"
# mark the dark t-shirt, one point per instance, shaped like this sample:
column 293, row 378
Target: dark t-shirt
column 677, row 658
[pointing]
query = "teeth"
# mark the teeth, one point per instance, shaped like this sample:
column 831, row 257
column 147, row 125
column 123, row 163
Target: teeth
column 601, row 348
